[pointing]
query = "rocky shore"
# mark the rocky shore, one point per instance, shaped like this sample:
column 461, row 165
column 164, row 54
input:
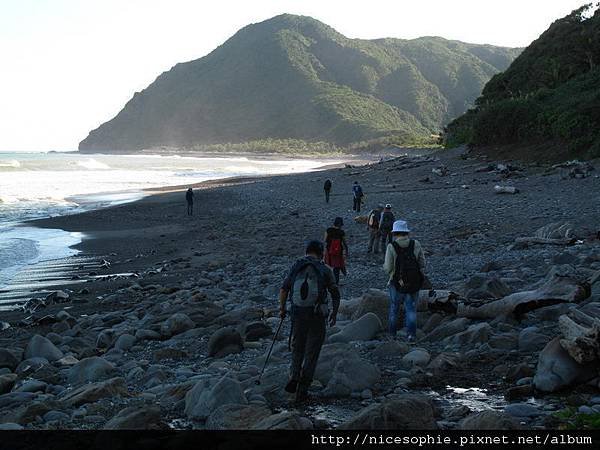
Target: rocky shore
column 175, row 331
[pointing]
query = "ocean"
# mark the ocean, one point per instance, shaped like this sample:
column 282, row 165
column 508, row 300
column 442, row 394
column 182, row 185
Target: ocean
column 38, row 185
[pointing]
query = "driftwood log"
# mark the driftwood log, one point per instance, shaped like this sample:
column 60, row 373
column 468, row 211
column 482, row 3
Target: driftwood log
column 555, row 289
column 558, row 233
column 581, row 336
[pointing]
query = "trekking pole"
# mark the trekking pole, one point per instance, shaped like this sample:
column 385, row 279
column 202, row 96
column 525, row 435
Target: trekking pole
column 270, row 350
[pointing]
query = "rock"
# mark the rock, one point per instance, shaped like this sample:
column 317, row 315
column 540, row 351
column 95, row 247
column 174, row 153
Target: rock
column 32, row 386
column 351, row 375
column 417, row 357
column 516, row 392
column 124, row 342
column 8, row 360
column 14, row 399
column 9, row 426
column 448, row 329
column 432, row 322
column 92, row 392
column 476, row 333
column 444, row 362
column 522, row 410
column 147, row 335
column 206, row 396
column 90, row 369
column 363, row 329
column 257, row 330
column 7, row 382
column 505, row 189
column 519, row 371
column 31, row 365
column 482, row 286
column 532, row 341
column 281, row 421
column 225, row 341
column 557, row 370
column 41, row 347
column 330, row 355
column 106, row 338
column 56, row 416
column 168, row 353
column 504, row 341
column 236, row 417
column 57, row 297
column 488, row 420
column 373, row 301
column 406, row 412
column 390, row 349
column 136, row 418
column 177, row 323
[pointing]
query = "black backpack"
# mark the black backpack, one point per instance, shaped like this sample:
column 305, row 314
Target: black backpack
column 387, row 221
column 407, row 268
column 327, row 185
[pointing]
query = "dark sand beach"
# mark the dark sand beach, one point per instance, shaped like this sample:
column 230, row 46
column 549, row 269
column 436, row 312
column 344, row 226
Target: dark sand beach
column 178, row 289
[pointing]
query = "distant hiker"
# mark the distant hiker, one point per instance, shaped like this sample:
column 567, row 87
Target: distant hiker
column 327, row 189
column 189, row 198
column 357, row 195
column 336, row 248
column 373, row 228
column 306, row 286
column 405, row 265
column 386, row 222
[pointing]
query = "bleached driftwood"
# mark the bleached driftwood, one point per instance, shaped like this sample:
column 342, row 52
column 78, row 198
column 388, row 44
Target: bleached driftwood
column 438, row 301
column 506, row 189
column 582, row 342
column 556, row 289
column 557, row 233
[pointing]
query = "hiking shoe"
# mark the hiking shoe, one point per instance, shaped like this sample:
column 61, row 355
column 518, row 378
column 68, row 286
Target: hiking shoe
column 291, row 386
column 410, row 339
column 302, row 395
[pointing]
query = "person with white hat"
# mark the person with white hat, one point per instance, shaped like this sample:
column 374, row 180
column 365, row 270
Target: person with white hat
column 405, row 265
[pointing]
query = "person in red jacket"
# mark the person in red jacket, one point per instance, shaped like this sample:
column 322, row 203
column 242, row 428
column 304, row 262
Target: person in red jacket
column 336, row 249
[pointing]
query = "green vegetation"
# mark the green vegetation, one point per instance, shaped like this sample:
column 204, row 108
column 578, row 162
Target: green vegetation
column 294, row 78
column 549, row 94
column 572, row 420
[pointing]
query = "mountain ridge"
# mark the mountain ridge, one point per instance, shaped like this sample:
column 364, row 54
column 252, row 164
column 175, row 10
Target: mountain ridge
column 294, row 77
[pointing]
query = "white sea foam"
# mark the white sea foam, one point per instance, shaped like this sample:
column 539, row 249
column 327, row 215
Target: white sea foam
column 93, row 164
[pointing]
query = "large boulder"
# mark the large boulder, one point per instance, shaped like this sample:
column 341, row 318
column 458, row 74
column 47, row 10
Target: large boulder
column 177, row 323
column 90, row 369
column 236, row 417
column 373, row 301
column 136, row 418
column 417, row 357
column 206, row 396
column 329, row 357
column 363, row 329
column 448, row 329
column 40, row 347
column 7, row 381
column 531, row 340
column 283, row 421
column 485, row 286
column 557, row 370
column 257, row 330
column 8, row 360
column 407, row 412
column 90, row 393
column 488, row 420
column 351, row 375
column 124, row 342
column 225, row 341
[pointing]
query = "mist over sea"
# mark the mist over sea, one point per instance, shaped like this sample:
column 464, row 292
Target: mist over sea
column 37, row 185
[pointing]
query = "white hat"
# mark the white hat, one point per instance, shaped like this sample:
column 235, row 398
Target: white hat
column 388, row 206
column 400, row 226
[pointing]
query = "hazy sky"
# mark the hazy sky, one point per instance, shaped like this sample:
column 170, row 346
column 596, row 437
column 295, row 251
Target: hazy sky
column 69, row 65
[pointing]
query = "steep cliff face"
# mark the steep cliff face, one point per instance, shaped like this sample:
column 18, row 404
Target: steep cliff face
column 295, row 77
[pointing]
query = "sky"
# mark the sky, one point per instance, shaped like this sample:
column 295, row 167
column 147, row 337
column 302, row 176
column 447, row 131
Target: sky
column 67, row 66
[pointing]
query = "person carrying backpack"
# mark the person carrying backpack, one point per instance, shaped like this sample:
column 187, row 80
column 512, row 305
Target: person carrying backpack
column 405, row 265
column 357, row 195
column 327, row 189
column 386, row 222
column 336, row 248
column 189, row 198
column 306, row 286
column 373, row 228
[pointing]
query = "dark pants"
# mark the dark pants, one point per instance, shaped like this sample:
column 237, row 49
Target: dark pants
column 356, row 204
column 308, row 336
column 336, row 274
column 326, row 196
column 190, row 209
column 386, row 238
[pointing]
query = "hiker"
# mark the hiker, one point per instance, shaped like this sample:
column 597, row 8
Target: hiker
column 336, row 248
column 386, row 222
column 189, row 198
column 327, row 189
column 373, row 228
column 405, row 265
column 306, row 286
column 357, row 195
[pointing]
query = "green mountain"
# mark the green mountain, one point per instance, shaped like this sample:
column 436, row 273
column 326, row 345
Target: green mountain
column 293, row 77
column 548, row 100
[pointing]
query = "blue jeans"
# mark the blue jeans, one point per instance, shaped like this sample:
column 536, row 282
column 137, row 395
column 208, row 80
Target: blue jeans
column 410, row 311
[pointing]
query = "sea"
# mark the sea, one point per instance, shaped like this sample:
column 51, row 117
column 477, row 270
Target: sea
column 46, row 184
